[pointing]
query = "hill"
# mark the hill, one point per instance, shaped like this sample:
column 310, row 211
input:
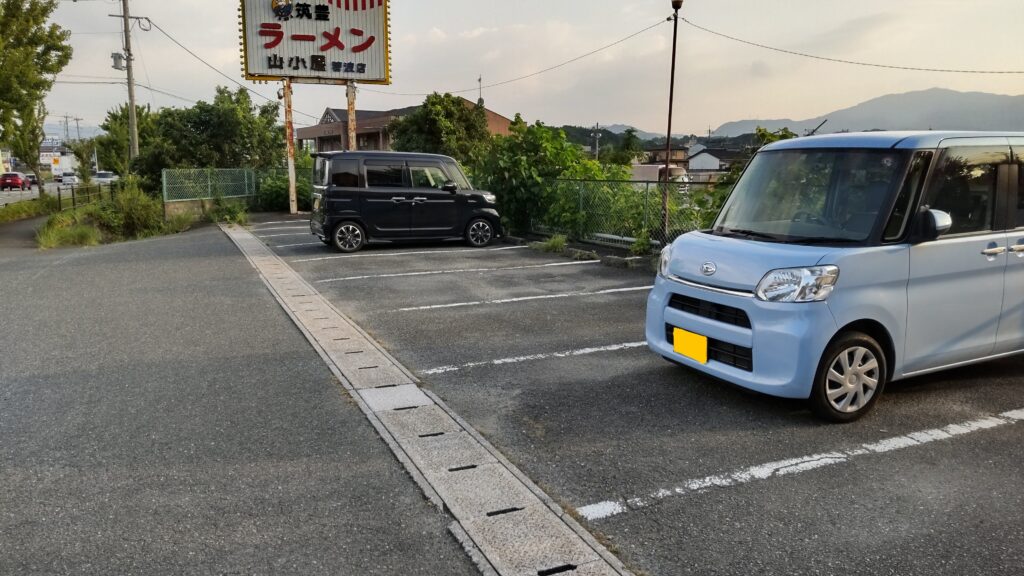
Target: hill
column 935, row 109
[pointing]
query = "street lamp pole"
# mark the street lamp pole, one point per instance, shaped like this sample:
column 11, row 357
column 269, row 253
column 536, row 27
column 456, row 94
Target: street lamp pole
column 676, row 5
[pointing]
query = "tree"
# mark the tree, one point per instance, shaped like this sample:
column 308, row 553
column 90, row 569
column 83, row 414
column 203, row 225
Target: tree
column 230, row 132
column 112, row 146
column 31, row 53
column 27, row 139
column 444, row 124
column 764, row 138
column 519, row 169
column 84, row 151
column 629, row 150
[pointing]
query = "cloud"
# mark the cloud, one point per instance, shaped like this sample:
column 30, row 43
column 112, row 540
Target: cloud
column 437, row 35
column 477, row 32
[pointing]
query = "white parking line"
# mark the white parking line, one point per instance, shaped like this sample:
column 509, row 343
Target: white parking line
column 294, row 245
column 277, row 222
column 601, row 510
column 382, row 254
column 524, row 299
column 280, row 235
column 535, row 357
column 461, row 271
column 284, row 228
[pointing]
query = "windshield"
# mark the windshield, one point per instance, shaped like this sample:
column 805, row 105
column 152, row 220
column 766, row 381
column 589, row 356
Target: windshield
column 804, row 196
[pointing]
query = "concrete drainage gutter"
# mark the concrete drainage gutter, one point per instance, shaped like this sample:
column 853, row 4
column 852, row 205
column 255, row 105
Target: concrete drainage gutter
column 506, row 524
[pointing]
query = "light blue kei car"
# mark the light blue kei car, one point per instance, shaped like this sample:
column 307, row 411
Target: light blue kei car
column 843, row 262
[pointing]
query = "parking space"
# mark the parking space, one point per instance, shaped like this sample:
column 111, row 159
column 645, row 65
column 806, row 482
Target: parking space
column 678, row 472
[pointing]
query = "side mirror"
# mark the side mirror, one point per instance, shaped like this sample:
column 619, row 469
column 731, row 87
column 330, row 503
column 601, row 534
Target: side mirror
column 935, row 223
column 450, row 186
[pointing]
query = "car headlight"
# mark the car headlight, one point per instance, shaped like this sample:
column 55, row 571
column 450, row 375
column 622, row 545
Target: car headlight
column 490, row 198
column 666, row 259
column 813, row 284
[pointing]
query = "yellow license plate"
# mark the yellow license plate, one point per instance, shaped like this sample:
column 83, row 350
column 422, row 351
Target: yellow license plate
column 693, row 346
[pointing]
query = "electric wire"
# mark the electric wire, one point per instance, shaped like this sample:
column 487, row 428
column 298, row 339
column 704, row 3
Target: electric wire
column 844, row 61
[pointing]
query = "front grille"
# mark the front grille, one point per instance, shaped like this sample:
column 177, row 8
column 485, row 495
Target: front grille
column 705, row 309
column 722, row 352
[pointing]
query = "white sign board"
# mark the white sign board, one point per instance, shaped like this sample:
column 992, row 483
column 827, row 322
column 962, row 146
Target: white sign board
column 316, row 41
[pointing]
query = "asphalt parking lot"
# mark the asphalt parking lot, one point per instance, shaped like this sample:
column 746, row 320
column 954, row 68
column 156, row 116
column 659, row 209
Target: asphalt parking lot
column 675, row 472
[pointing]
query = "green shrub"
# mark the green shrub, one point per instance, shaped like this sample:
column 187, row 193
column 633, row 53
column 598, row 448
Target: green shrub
column 554, row 244
column 642, row 245
column 228, row 211
column 24, row 210
column 74, row 235
column 272, row 192
column 179, row 223
column 132, row 214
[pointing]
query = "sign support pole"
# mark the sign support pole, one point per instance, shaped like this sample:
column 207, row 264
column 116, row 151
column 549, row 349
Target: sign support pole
column 289, row 131
column 350, row 91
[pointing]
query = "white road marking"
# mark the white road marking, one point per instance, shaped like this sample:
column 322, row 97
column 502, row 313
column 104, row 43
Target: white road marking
column 459, row 271
column 382, row 254
column 524, row 299
column 294, row 245
column 601, row 510
column 276, row 222
column 284, row 228
column 280, row 235
column 534, row 358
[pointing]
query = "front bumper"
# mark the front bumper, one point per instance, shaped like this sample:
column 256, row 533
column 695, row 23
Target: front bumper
column 784, row 341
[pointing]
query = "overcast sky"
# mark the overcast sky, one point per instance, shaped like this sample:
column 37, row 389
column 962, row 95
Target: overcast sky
column 443, row 45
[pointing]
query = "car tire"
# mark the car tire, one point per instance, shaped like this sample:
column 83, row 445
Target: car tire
column 479, row 233
column 348, row 237
column 851, row 377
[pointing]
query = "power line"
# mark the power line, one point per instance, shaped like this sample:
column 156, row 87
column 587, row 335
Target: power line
column 851, row 62
column 531, row 75
column 212, row 67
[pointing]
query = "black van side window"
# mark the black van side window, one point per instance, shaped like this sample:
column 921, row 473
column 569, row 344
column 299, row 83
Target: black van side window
column 385, row 176
column 965, row 187
column 345, row 173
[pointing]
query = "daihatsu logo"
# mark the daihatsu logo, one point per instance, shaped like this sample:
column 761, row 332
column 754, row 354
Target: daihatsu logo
column 708, row 268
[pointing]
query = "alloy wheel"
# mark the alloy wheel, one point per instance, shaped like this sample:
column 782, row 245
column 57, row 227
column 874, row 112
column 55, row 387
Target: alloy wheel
column 480, row 233
column 349, row 237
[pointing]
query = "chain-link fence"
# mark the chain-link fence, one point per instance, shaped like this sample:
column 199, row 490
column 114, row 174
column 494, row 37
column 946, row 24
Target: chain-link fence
column 203, row 184
column 619, row 213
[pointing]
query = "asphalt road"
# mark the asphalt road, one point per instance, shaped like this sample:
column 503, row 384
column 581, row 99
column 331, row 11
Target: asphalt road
column 160, row 414
column 544, row 359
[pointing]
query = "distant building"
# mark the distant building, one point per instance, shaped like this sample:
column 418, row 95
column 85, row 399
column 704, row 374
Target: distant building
column 372, row 128
column 657, row 155
column 715, row 160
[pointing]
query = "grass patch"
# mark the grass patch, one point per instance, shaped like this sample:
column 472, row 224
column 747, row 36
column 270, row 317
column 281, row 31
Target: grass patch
column 555, row 244
column 642, row 245
column 228, row 211
column 131, row 214
column 28, row 209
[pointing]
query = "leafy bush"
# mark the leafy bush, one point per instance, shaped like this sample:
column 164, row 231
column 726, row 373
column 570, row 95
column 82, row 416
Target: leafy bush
column 642, row 245
column 231, row 212
column 554, row 244
column 179, row 223
column 132, row 214
column 272, row 192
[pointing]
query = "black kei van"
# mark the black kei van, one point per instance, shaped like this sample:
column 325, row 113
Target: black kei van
column 362, row 197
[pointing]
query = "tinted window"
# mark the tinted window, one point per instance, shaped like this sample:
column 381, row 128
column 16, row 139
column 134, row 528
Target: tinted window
column 905, row 201
column 965, row 187
column 320, row 172
column 345, row 173
column 427, row 177
column 456, row 173
column 385, row 176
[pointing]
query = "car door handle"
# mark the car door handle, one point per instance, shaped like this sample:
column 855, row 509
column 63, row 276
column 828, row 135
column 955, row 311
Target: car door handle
column 994, row 251
column 398, row 199
column 418, row 200
column 1019, row 248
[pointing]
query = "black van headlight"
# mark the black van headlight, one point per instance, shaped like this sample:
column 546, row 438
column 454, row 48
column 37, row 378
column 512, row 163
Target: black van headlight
column 812, row 284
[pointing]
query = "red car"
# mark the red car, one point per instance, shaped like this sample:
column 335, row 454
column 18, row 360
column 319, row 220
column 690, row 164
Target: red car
column 14, row 180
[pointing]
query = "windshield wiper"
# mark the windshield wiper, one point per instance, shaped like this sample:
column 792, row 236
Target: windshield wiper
column 824, row 240
column 748, row 233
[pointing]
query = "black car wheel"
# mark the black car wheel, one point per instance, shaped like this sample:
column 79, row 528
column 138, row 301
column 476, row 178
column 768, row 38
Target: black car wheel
column 348, row 237
column 851, row 376
column 479, row 233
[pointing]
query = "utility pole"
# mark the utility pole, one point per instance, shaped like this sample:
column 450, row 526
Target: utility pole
column 676, row 5
column 67, row 128
column 78, row 127
column 596, row 135
column 350, row 91
column 133, row 126
column 289, row 131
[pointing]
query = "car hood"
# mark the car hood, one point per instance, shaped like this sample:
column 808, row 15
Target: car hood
column 739, row 264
